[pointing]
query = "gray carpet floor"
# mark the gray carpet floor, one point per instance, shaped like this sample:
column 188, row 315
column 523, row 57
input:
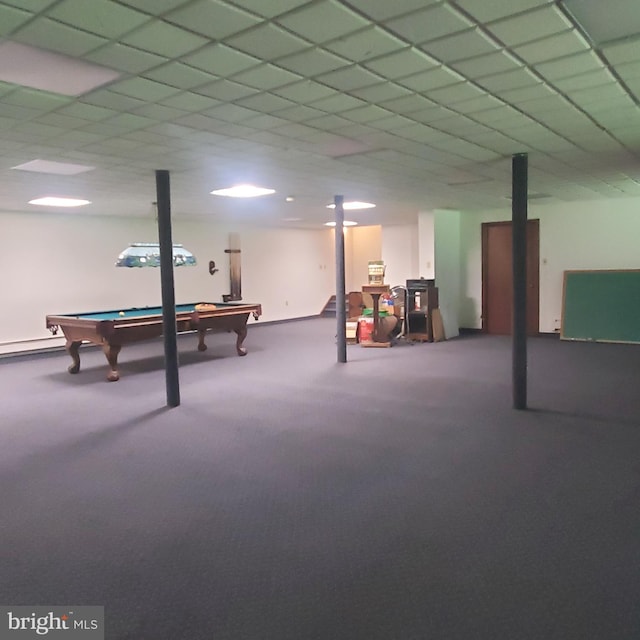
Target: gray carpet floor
column 394, row 497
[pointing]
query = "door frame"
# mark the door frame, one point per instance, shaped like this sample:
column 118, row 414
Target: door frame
column 485, row 226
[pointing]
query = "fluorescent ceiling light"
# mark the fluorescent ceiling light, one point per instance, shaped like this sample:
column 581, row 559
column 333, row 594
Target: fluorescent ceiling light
column 52, row 201
column 243, row 191
column 345, row 223
column 48, row 71
column 352, row 205
column 48, row 166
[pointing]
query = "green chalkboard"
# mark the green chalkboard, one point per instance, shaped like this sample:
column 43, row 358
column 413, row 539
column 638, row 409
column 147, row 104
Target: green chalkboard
column 602, row 306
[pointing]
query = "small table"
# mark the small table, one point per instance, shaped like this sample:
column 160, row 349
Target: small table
column 375, row 291
column 112, row 329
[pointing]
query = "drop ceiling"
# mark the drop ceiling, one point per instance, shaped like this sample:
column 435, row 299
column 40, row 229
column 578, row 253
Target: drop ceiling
column 412, row 104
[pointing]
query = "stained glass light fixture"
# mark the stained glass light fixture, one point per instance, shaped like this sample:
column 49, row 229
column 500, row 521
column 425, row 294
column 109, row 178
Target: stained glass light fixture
column 147, row 254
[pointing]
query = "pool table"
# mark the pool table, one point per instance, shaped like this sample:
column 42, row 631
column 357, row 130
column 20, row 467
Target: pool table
column 112, row 329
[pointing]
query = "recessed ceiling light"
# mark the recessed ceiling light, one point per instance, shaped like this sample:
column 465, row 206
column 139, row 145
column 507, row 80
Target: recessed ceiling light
column 345, row 223
column 51, row 201
column 48, row 71
column 354, row 204
column 289, row 199
column 58, row 168
column 243, row 191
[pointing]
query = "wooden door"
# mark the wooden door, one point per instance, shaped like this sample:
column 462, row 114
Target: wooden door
column 497, row 277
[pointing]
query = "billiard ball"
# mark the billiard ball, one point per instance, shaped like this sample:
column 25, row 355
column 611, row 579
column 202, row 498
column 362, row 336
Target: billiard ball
column 121, row 313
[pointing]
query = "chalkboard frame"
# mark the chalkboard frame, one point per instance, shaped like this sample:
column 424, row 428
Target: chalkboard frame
column 610, row 312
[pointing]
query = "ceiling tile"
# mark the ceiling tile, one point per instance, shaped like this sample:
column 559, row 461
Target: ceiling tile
column 265, row 102
column 268, row 42
column 349, row 78
column 419, row 133
column 226, row 90
column 102, row 17
column 179, row 75
column 480, row 103
column 231, row 113
column 143, row 89
column 429, row 24
column 265, row 121
column 154, row 7
column 461, row 46
column 112, row 100
column 515, row 96
column 625, row 51
column 312, row 62
column 30, row 5
column 408, row 104
column 455, row 93
column 609, row 94
column 34, row 99
column 269, row 9
column 322, row 21
column 486, row 65
column 556, row 46
column 509, row 80
column 553, row 102
column 432, row 79
column 628, row 71
column 365, row 114
column 299, row 113
column 569, row 66
column 489, row 11
column 365, row 44
column 584, row 80
column 87, row 112
column 212, row 19
column 336, row 103
column 433, row 114
column 383, row 9
column 381, row 92
column 57, row 37
column 392, row 122
column 266, row 76
column 189, row 101
column 305, row 91
column 401, row 63
column 124, row 58
column 329, row 122
column 530, row 26
column 164, row 39
column 221, row 60
column 159, row 112
column 11, row 18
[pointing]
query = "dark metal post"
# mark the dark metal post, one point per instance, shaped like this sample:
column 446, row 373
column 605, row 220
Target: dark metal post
column 519, row 260
column 341, row 313
column 168, row 290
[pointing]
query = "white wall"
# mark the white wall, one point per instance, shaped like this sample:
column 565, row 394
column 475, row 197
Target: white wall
column 65, row 264
column 400, row 253
column 426, row 245
column 365, row 244
column 597, row 234
column 447, row 268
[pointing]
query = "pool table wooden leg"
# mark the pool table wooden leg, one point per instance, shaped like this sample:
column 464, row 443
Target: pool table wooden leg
column 112, row 351
column 242, row 334
column 73, row 347
column 201, row 345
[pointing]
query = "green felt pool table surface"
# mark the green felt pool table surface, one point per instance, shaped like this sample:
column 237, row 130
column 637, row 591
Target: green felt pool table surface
column 140, row 312
column 111, row 329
